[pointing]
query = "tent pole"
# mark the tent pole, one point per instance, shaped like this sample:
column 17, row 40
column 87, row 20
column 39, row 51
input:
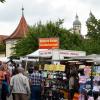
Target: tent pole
column 26, row 65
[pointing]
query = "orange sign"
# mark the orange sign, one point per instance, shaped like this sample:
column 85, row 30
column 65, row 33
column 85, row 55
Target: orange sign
column 49, row 43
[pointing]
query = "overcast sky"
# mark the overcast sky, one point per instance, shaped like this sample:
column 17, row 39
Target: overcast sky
column 45, row 10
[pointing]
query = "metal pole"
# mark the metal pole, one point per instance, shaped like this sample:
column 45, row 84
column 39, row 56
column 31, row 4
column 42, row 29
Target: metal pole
column 26, row 64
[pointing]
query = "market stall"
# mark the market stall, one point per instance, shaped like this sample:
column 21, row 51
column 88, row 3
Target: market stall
column 56, row 82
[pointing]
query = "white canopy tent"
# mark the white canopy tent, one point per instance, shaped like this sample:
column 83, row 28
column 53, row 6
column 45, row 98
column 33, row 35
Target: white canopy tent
column 93, row 57
column 28, row 59
column 56, row 52
column 37, row 53
column 96, row 58
column 4, row 59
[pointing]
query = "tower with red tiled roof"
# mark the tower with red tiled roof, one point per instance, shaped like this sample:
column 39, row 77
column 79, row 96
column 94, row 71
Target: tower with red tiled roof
column 19, row 33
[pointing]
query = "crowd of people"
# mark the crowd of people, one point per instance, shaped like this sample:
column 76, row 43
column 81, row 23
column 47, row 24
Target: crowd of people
column 29, row 85
column 19, row 84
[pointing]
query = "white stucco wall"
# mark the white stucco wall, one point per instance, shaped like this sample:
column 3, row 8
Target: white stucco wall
column 77, row 29
column 9, row 45
column 2, row 55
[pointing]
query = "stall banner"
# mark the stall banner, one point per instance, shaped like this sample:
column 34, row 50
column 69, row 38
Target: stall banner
column 71, row 53
column 46, row 53
column 48, row 67
column 48, row 43
column 60, row 67
column 53, row 67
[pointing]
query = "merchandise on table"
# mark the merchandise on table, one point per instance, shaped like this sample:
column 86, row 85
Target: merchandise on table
column 55, row 81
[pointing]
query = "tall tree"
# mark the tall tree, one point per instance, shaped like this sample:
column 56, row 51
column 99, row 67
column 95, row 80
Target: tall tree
column 50, row 29
column 92, row 44
column 2, row 47
column 92, row 26
column 2, row 1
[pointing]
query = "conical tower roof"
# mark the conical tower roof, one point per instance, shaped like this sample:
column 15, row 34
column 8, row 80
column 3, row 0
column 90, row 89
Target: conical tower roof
column 21, row 29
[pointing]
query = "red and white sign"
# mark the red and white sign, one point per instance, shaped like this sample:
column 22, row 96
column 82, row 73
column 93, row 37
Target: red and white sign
column 48, row 43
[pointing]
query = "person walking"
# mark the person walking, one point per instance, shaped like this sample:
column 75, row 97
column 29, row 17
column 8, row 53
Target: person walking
column 36, row 81
column 5, row 82
column 20, row 85
column 2, row 77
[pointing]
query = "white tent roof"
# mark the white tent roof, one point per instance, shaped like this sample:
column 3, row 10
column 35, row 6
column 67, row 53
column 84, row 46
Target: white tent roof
column 93, row 57
column 36, row 53
column 4, row 59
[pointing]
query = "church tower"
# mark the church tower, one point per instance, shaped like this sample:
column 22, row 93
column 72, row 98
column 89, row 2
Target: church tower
column 77, row 26
column 19, row 33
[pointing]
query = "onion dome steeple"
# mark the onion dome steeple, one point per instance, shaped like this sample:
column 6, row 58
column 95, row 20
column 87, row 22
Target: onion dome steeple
column 76, row 22
column 77, row 25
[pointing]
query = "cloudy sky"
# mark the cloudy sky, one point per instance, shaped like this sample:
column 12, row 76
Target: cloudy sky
column 45, row 10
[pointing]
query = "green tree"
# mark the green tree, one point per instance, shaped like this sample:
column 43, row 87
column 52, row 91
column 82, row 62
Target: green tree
column 92, row 26
column 2, row 1
column 2, row 48
column 50, row 29
column 92, row 44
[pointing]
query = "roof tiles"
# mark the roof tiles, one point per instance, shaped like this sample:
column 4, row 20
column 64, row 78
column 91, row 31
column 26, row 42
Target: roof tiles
column 20, row 31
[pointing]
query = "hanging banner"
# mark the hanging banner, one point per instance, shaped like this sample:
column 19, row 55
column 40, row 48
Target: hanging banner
column 53, row 67
column 46, row 53
column 48, row 43
column 72, row 53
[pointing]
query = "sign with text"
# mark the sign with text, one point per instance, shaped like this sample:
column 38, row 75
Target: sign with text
column 48, row 43
column 71, row 53
column 53, row 67
column 46, row 53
